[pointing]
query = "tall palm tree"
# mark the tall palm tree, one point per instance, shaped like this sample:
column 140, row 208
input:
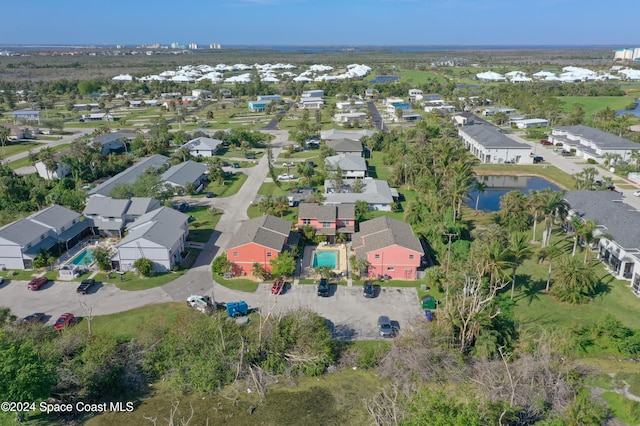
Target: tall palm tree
column 520, row 250
column 479, row 188
column 553, row 205
column 534, row 202
column 549, row 253
column 575, row 281
column 4, row 138
column 497, row 262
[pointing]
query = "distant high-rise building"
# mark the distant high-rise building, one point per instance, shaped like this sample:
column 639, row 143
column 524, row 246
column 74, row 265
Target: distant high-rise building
column 193, row 46
column 214, row 46
column 627, row 54
column 176, row 45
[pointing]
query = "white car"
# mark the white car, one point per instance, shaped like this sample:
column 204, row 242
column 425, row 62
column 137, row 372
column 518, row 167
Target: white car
column 637, row 193
column 286, row 177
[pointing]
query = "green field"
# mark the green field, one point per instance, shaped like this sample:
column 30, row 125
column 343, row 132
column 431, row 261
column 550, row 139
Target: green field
column 17, row 147
column 23, row 162
column 421, row 77
column 202, row 227
column 592, row 104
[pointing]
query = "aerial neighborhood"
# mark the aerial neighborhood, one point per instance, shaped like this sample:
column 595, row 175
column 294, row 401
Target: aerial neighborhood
column 435, row 201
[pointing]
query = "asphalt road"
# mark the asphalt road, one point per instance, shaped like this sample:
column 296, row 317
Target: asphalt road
column 352, row 316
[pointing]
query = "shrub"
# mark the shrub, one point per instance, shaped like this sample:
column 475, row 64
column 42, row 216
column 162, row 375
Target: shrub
column 144, row 266
column 591, row 161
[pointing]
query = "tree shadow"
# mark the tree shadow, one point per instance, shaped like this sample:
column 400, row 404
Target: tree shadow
column 371, row 171
column 528, row 288
column 604, row 286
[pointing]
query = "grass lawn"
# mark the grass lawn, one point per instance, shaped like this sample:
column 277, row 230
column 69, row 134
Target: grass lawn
column 200, row 230
column 377, row 170
column 272, row 188
column 593, row 104
column 230, row 186
column 132, row 282
column 17, row 147
column 237, row 283
column 536, row 309
column 23, row 162
column 124, row 325
column 310, row 154
column 551, row 173
column 421, row 77
column 624, row 409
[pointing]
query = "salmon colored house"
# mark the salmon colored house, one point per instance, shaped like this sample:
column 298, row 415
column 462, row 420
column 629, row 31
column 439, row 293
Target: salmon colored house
column 328, row 220
column 390, row 247
column 259, row 240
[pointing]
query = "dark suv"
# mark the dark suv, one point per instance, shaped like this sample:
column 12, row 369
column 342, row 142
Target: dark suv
column 368, row 289
column 85, row 285
column 323, row 288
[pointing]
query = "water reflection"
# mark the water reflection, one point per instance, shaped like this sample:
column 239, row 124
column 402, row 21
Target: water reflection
column 497, row 186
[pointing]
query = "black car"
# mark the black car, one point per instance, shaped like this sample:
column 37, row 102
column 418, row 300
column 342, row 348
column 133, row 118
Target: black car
column 323, row 288
column 36, row 318
column 537, row 159
column 210, row 195
column 85, row 285
column 182, row 207
column 369, row 290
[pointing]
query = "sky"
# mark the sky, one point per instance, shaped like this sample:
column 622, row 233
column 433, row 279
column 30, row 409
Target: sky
column 323, row 22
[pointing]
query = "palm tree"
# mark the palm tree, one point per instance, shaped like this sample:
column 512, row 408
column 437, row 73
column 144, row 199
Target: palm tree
column 549, row 253
column 553, row 205
column 4, row 138
column 497, row 261
column 520, row 250
column 479, row 188
column 534, row 202
column 575, row 281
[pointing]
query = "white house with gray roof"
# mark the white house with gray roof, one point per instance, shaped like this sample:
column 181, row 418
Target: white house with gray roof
column 183, row 174
column 110, row 215
column 112, row 142
column 351, row 166
column 374, row 192
column 492, row 147
column 620, row 250
column 130, row 175
column 346, row 146
column 55, row 229
column 159, row 236
column 591, row 143
column 333, row 134
column 203, row 146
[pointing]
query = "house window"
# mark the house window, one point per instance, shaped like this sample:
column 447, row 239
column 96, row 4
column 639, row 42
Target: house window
column 73, row 222
column 410, row 257
column 391, row 268
column 377, row 256
column 42, row 237
column 235, row 254
column 306, row 221
column 269, row 254
column 62, row 229
column 346, row 222
column 326, row 224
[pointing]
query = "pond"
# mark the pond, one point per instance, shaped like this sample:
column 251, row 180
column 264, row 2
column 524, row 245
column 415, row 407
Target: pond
column 635, row 111
column 497, row 186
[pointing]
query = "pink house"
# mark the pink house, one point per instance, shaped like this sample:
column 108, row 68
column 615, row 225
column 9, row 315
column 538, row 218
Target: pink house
column 390, row 247
column 328, row 220
column 259, row 240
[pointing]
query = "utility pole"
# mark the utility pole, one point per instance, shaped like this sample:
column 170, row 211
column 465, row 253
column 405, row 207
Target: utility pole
column 450, row 236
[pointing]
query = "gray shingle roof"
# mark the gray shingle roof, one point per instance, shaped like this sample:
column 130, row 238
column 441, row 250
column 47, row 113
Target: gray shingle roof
column 22, row 232
column 341, row 134
column 599, row 138
column 142, row 205
column 374, row 191
column 54, row 216
column 347, row 162
column 163, row 226
column 203, row 144
column 345, row 145
column 130, row 175
column 267, row 230
column 618, row 219
column 106, row 207
column 318, row 212
column 347, row 211
column 110, row 137
column 384, row 232
column 490, row 137
column 184, row 173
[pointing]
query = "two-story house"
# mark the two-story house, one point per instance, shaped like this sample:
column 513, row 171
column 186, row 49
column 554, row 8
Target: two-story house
column 330, row 221
column 110, row 215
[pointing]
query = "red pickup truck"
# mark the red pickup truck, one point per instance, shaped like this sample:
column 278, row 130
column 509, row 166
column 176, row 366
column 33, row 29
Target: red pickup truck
column 545, row 142
column 277, row 286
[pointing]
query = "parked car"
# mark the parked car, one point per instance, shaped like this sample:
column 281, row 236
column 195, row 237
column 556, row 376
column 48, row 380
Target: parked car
column 286, row 177
column 1, row 280
column 85, row 286
column 537, row 159
column 250, row 156
column 635, row 194
column 311, row 163
column 36, row 283
column 235, row 166
column 323, row 288
column 64, row 321
column 384, row 326
column 545, row 142
column 183, row 207
column 567, row 153
column 209, row 195
column 225, row 164
column 277, row 286
column 36, row 318
column 368, row 289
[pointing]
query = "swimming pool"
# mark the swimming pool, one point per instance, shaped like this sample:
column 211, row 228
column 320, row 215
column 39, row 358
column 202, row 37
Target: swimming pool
column 84, row 258
column 325, row 258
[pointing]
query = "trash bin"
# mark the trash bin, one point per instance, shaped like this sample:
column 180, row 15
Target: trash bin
column 429, row 315
column 428, row 302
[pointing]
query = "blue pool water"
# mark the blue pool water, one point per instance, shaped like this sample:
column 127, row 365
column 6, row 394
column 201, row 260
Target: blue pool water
column 325, row 258
column 80, row 259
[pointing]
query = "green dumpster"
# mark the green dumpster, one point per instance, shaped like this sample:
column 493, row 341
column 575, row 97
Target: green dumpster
column 428, row 302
